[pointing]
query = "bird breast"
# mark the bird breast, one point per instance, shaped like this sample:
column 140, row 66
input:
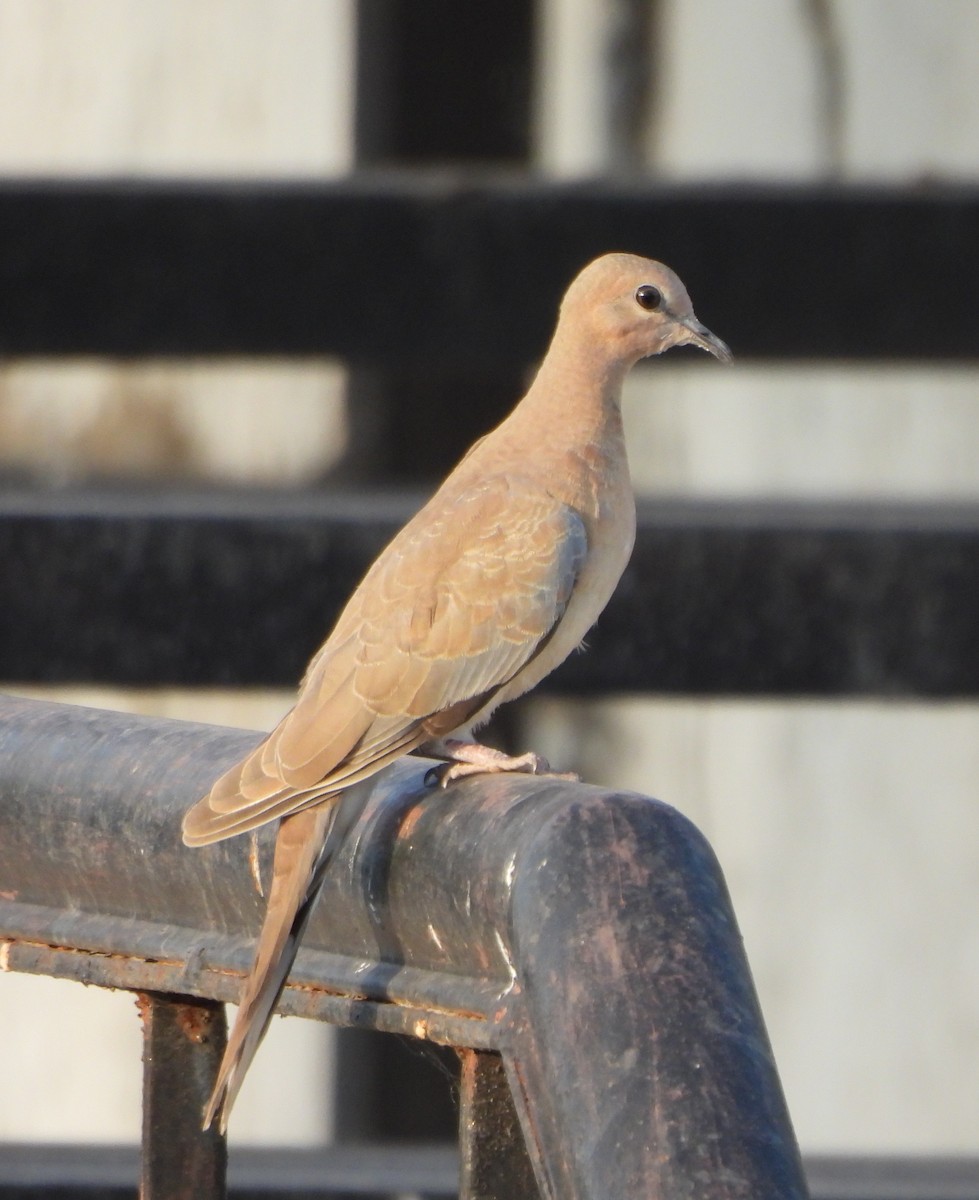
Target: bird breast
column 594, row 480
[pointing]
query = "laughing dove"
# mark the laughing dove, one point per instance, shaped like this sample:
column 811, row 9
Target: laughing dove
column 481, row 595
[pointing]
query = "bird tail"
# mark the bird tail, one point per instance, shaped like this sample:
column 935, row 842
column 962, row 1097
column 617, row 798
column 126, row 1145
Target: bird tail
column 306, row 842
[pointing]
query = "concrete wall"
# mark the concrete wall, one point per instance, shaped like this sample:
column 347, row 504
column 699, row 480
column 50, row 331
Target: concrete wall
column 848, row 831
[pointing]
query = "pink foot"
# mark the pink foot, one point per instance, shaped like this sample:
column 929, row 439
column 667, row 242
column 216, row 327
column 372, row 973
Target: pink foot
column 473, row 758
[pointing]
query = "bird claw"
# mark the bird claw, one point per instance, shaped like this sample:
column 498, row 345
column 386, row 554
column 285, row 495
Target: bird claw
column 526, row 764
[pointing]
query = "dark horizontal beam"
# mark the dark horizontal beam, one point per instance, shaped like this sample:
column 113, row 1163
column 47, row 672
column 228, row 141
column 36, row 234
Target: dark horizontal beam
column 43, row 1170
column 240, row 589
column 459, row 272
column 84, row 1172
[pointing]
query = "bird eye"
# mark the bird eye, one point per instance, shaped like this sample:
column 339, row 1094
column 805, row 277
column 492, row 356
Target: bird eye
column 649, row 297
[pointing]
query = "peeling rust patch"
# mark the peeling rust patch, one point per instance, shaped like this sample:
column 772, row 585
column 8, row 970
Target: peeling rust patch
column 196, row 1022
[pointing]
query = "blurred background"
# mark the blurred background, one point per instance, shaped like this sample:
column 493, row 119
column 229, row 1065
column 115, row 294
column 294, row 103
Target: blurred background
column 848, row 829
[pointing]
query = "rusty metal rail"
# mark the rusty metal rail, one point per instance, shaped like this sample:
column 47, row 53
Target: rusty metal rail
column 577, row 946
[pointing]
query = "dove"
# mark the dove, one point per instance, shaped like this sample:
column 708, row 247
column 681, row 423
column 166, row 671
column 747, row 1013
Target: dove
column 487, row 589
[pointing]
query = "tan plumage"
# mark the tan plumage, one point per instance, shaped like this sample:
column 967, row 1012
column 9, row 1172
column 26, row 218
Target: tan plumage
column 483, row 593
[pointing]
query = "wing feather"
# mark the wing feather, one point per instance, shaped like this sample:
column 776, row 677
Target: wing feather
column 459, row 602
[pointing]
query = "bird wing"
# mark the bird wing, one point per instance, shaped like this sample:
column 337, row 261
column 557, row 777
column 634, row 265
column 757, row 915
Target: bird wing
column 462, row 598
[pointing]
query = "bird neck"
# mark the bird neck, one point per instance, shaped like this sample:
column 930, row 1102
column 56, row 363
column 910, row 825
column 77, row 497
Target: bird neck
column 576, row 395
column 571, row 417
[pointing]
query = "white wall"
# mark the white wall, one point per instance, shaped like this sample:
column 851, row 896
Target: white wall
column 175, row 87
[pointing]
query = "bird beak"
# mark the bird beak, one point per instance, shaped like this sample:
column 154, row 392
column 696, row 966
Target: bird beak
column 699, row 335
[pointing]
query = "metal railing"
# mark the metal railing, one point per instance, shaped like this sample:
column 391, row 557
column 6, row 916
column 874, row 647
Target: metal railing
column 577, row 946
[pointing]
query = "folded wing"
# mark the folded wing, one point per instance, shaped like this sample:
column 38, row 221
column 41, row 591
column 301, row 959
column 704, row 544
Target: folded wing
column 463, row 598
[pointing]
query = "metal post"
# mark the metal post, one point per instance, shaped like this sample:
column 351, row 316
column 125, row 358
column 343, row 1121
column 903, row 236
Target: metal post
column 447, row 85
column 183, row 1040
column 495, row 1165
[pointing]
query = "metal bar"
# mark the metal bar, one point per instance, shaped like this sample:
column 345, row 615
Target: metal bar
column 465, row 273
column 586, row 934
column 110, row 1172
column 495, row 1164
column 438, row 84
column 96, row 885
column 183, row 1041
column 54, row 1172
column 789, row 599
column 670, row 1013
column 469, row 104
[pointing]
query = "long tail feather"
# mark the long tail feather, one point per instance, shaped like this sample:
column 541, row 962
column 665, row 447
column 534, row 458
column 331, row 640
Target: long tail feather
column 305, row 843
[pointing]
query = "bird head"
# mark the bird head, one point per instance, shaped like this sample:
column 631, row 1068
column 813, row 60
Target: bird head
column 635, row 307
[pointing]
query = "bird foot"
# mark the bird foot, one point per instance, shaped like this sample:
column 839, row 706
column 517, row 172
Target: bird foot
column 473, row 758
